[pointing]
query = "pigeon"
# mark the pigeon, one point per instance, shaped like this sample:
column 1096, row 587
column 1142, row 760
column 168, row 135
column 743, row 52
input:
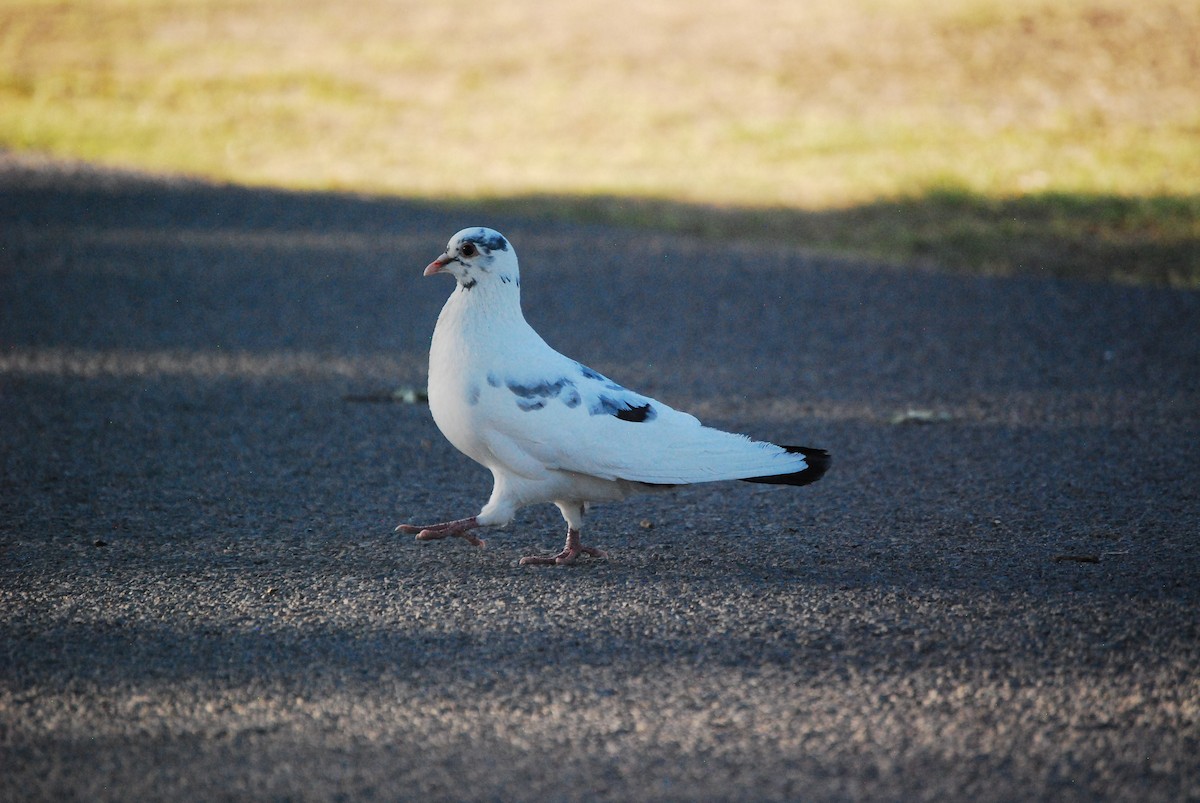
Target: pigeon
column 549, row 428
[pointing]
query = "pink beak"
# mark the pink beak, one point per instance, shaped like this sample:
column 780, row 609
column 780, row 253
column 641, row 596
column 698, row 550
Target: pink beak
column 436, row 265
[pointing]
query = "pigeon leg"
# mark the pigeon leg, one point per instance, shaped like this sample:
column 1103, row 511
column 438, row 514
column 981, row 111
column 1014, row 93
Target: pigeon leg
column 435, row 532
column 571, row 551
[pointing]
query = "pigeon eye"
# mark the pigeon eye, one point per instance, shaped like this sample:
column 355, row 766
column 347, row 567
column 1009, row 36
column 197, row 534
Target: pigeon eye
column 468, row 250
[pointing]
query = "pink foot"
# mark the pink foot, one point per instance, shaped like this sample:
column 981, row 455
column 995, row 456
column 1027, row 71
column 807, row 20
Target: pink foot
column 435, row 532
column 572, row 550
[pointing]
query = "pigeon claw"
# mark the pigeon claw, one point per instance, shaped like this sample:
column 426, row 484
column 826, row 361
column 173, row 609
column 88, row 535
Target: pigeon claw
column 572, row 550
column 435, row 532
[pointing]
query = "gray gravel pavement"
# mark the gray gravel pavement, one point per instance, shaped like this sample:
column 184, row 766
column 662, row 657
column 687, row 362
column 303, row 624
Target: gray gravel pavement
column 993, row 595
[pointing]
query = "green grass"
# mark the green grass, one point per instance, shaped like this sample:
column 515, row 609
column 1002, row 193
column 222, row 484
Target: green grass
column 1143, row 240
column 1006, row 136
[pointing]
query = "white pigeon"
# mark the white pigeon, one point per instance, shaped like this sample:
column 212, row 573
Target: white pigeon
column 553, row 430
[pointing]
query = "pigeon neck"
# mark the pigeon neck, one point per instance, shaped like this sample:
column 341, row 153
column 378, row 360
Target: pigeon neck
column 494, row 297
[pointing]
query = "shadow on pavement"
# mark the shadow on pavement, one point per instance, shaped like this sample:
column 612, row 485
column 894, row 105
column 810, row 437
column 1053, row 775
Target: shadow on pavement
column 194, row 518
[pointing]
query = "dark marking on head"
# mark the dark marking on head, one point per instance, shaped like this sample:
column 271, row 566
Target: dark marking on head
column 467, row 284
column 622, row 409
column 571, row 398
column 529, row 405
column 493, row 380
column 491, row 240
column 473, row 394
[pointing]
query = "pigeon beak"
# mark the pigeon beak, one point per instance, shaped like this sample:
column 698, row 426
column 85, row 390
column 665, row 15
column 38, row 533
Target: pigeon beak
column 436, row 265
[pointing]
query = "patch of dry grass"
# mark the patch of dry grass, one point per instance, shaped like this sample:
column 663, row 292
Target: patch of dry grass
column 823, row 107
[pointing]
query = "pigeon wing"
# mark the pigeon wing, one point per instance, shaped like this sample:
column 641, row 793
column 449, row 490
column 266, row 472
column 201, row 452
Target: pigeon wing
column 576, row 419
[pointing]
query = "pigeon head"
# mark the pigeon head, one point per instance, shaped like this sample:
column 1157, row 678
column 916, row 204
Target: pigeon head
column 477, row 255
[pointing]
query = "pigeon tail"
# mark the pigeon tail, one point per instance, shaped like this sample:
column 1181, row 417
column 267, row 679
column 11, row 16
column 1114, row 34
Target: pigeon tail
column 818, row 463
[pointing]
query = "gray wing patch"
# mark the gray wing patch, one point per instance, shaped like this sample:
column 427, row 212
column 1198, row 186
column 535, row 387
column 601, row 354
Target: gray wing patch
column 624, row 409
column 603, row 396
column 596, row 376
column 621, row 403
column 544, row 389
column 534, row 395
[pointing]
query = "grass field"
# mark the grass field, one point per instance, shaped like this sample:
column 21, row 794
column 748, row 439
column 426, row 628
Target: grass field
column 1005, row 136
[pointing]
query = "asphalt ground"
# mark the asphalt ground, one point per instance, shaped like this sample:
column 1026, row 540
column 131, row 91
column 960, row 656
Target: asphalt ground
column 993, row 595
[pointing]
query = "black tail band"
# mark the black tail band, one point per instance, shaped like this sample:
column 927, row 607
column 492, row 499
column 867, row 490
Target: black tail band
column 818, row 463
